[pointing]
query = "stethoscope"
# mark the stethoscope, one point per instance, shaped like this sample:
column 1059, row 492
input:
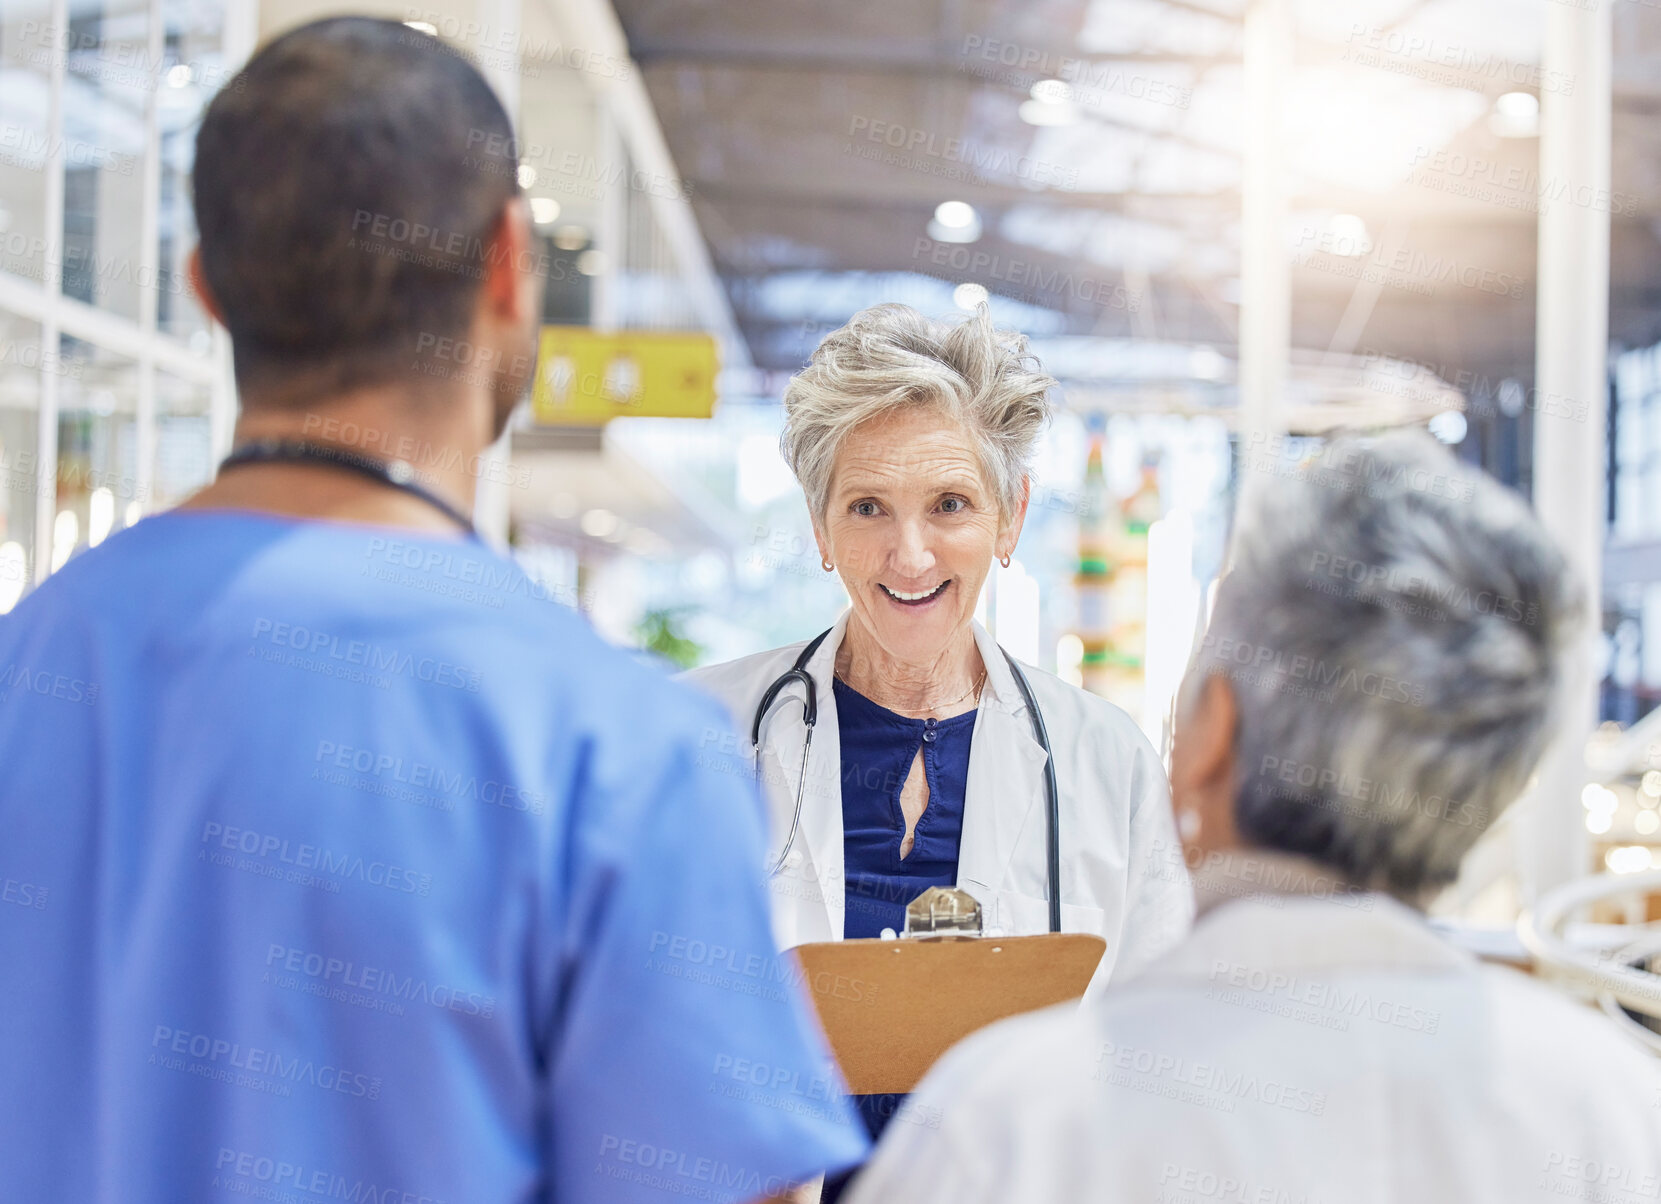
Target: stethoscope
column 810, row 717
column 395, row 474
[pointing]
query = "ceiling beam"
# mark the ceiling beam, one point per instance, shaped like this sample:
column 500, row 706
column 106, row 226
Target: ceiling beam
column 862, row 57
column 1489, row 76
column 982, row 196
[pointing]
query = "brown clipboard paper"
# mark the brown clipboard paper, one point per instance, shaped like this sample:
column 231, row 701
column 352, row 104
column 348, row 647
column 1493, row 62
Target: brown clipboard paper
column 891, row 1008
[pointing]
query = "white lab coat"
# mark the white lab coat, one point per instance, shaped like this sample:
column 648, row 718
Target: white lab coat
column 1291, row 1050
column 1122, row 875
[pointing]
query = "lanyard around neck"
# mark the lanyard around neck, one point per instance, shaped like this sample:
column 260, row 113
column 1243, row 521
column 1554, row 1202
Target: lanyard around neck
column 395, row 474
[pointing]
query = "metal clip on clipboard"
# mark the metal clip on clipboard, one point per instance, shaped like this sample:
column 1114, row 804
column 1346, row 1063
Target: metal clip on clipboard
column 941, row 912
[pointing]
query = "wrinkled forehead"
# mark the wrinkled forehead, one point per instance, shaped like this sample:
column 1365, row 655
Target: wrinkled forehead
column 920, row 449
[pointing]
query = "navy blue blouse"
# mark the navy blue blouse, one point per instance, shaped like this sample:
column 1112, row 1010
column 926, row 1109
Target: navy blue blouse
column 877, row 750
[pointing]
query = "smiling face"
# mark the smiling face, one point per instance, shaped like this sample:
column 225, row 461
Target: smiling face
column 912, row 525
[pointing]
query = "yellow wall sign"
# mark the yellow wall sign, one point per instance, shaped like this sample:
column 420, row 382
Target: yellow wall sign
column 585, row 378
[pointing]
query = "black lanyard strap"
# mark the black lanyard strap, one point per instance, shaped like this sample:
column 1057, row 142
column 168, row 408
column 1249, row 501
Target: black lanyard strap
column 395, row 474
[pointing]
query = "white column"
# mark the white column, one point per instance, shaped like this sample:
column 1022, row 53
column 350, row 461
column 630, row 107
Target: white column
column 1571, row 350
column 1265, row 265
column 144, row 417
column 492, row 501
column 46, row 444
column 611, row 224
column 240, row 37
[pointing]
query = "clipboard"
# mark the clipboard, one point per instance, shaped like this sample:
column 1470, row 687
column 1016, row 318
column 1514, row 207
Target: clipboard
column 891, row 1008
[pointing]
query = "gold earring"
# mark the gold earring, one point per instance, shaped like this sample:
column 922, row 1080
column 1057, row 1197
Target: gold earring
column 1004, row 560
column 829, row 567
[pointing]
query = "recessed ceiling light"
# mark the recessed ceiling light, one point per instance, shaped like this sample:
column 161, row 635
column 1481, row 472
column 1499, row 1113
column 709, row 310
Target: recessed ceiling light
column 600, row 523
column 955, row 221
column 1516, row 115
column 1051, row 104
column 1052, row 91
column 1449, row 427
column 1347, row 235
column 1036, row 112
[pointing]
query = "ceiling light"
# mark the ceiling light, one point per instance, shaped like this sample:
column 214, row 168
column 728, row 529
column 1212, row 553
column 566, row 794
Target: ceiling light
column 1646, row 822
column 178, row 75
column 1051, row 104
column 544, row 209
column 1347, row 236
column 955, row 221
column 1516, row 115
column 969, row 294
column 600, row 524
column 1052, row 91
column 1036, row 112
column 527, row 175
column 592, row 262
column 571, row 238
column 1449, row 427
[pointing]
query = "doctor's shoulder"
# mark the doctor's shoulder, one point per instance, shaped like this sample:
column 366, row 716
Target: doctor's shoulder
column 600, row 695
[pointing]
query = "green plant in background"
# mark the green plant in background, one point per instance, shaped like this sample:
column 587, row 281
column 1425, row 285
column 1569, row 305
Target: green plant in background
column 659, row 631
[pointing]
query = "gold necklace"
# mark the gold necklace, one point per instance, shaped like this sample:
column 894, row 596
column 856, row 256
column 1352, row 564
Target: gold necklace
column 972, row 690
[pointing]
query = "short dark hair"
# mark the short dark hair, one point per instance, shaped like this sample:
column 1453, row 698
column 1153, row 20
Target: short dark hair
column 347, row 184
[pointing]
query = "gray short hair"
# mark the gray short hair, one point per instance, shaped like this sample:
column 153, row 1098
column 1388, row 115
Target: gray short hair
column 891, row 356
column 1393, row 625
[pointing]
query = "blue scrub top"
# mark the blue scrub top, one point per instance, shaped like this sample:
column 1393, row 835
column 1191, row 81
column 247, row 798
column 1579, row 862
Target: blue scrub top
column 342, row 862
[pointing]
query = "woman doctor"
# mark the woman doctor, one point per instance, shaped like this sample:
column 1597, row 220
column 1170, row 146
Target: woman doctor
column 911, row 439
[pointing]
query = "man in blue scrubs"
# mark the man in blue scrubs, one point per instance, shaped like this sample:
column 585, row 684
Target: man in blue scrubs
column 337, row 861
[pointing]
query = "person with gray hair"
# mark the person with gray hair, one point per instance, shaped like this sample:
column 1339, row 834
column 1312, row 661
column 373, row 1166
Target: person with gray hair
column 902, row 749
column 1380, row 674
